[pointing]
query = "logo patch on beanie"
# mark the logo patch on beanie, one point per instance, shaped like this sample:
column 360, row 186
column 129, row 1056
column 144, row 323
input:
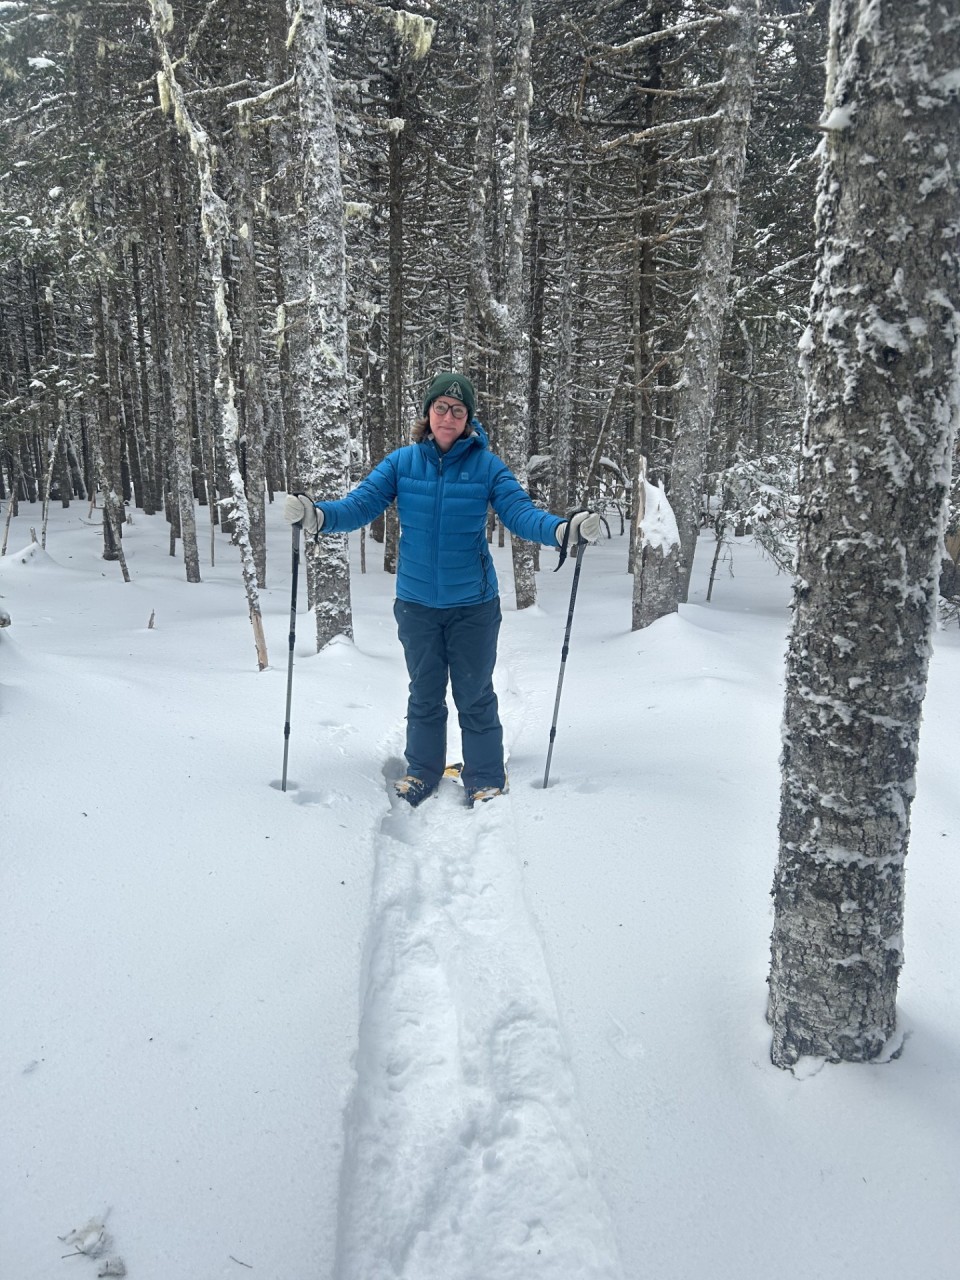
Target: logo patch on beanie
column 456, row 391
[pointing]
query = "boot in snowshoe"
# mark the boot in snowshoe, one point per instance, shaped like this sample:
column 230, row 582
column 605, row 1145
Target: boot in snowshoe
column 480, row 795
column 413, row 789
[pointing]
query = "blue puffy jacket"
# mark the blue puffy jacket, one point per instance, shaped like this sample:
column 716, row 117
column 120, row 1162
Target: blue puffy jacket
column 442, row 502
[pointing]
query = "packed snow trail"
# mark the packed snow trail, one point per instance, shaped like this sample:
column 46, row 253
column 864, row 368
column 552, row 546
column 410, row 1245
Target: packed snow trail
column 465, row 1158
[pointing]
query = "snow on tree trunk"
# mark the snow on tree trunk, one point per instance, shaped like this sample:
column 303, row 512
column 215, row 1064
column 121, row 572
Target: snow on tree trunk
column 657, row 554
column 881, row 360
column 215, row 225
column 700, row 353
column 324, row 445
column 505, row 317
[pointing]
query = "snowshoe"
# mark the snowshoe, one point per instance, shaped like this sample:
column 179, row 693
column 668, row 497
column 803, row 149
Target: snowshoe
column 413, row 789
column 480, row 795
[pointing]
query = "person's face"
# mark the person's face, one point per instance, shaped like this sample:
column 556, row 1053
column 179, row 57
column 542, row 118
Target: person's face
column 448, row 421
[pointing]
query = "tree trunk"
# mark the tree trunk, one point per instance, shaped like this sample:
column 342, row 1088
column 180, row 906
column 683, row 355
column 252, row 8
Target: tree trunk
column 505, row 318
column 562, row 497
column 883, row 390
column 393, row 384
column 105, row 444
column 216, row 235
column 181, row 465
column 253, row 384
column 324, row 447
column 700, row 354
column 645, row 265
column 151, row 486
column 656, row 556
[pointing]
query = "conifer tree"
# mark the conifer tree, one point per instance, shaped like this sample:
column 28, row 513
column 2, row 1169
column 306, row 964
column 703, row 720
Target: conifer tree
column 881, row 355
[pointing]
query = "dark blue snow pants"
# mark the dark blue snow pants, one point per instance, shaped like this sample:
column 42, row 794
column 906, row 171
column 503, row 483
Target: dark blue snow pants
column 459, row 644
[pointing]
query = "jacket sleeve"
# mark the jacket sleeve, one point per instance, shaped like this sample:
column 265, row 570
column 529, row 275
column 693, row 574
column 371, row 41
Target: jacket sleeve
column 516, row 509
column 369, row 499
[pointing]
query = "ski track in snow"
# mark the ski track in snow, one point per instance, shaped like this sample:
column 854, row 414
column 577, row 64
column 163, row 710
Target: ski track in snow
column 465, row 1158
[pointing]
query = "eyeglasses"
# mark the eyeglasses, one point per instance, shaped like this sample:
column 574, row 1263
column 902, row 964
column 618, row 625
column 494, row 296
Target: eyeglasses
column 456, row 411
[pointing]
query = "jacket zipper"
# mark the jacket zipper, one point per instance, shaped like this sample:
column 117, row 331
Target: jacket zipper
column 436, row 540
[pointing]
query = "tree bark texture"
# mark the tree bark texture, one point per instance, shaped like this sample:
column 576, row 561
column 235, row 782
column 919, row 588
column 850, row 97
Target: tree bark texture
column 505, row 317
column 324, row 453
column 215, row 225
column 700, row 355
column 180, row 460
column 881, row 360
column 254, row 398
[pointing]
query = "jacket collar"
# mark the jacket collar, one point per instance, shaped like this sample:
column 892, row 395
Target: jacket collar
column 459, row 449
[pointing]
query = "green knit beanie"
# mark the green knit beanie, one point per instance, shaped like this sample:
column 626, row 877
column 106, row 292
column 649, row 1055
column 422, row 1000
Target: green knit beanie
column 454, row 385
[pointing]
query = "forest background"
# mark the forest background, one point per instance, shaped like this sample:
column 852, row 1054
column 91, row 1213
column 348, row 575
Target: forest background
column 155, row 297
column 603, row 211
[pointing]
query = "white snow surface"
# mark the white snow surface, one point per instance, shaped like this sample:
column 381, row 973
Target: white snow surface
column 313, row 1036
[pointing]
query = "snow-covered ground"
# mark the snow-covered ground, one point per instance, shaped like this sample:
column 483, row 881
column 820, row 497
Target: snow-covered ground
column 310, row 1036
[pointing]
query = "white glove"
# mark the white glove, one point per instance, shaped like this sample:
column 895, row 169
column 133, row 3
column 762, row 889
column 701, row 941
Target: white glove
column 300, row 510
column 584, row 527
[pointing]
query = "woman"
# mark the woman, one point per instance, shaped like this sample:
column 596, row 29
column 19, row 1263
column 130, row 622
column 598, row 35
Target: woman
column 448, row 604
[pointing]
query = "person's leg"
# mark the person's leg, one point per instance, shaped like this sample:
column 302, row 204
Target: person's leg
column 471, row 646
column 422, row 636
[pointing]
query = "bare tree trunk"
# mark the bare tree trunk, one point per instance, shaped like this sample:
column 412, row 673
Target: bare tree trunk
column 151, row 486
column 253, row 389
column 394, row 406
column 60, row 417
column 181, row 460
column 639, row 447
column 126, row 378
column 105, row 447
column 562, row 497
column 700, row 354
column 324, row 447
column 537, row 290
column 216, row 235
column 883, row 400
column 505, row 318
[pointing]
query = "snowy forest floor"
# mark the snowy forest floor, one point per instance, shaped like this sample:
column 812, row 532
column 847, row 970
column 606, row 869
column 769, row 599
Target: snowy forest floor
column 312, row 1036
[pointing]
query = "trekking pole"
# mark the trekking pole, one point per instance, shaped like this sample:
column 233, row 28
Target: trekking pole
column 293, row 636
column 563, row 657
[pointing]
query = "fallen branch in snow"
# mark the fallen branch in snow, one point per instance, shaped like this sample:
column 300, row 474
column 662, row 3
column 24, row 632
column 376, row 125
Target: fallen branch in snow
column 90, row 1240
